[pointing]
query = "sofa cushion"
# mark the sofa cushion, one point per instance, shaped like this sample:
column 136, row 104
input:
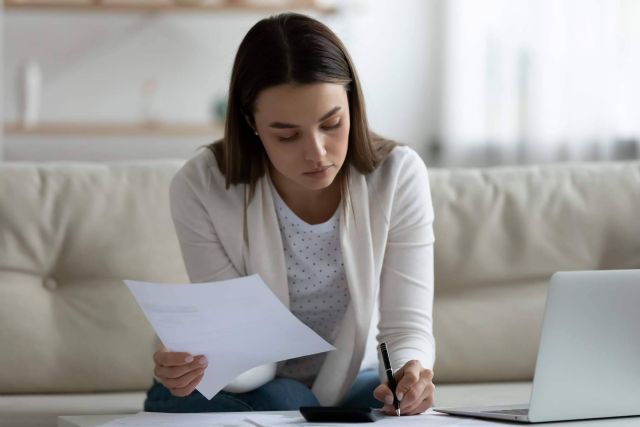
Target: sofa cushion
column 43, row 410
column 69, row 234
column 73, row 403
column 505, row 393
column 500, row 235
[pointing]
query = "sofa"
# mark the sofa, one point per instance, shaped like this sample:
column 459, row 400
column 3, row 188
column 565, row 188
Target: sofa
column 73, row 340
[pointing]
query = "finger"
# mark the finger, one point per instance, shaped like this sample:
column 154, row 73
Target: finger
column 169, row 372
column 423, row 403
column 172, row 358
column 428, row 373
column 419, row 408
column 414, row 395
column 410, row 375
column 383, row 394
column 188, row 389
column 389, row 410
column 183, row 381
column 419, row 391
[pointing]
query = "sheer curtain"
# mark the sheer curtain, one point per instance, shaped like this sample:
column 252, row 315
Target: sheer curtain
column 539, row 80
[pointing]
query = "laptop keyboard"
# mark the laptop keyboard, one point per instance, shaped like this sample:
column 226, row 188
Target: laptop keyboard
column 522, row 411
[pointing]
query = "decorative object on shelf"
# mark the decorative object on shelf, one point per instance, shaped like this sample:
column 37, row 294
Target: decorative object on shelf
column 197, row 2
column 219, row 109
column 29, row 94
column 148, row 101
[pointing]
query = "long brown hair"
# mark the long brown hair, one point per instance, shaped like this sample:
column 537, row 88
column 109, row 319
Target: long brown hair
column 290, row 48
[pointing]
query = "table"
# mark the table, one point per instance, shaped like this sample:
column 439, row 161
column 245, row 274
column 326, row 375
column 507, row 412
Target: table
column 95, row 420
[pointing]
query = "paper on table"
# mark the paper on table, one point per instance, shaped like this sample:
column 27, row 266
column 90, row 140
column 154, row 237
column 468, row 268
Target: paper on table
column 251, row 419
column 161, row 419
column 237, row 324
column 429, row 418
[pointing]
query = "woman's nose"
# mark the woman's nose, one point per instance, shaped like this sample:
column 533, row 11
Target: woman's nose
column 314, row 148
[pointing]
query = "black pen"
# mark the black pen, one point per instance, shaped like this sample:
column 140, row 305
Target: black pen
column 390, row 379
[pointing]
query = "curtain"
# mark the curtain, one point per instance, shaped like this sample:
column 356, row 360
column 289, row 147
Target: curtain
column 526, row 81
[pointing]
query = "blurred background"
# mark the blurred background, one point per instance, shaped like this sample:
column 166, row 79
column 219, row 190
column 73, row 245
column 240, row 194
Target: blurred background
column 464, row 82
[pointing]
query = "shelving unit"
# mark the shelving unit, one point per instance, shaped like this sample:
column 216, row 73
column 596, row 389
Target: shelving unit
column 169, row 6
column 115, row 128
column 144, row 6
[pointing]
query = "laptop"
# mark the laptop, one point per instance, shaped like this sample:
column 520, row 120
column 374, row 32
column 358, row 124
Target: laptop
column 588, row 363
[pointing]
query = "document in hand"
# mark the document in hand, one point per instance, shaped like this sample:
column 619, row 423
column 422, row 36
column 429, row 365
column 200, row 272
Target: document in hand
column 237, row 324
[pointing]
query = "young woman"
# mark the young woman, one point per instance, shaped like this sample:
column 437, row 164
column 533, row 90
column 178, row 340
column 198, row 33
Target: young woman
column 336, row 220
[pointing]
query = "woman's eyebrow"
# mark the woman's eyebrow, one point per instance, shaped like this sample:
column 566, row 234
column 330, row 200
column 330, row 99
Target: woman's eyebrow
column 280, row 125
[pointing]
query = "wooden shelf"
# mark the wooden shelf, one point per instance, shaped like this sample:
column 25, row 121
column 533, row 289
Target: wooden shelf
column 116, row 128
column 168, row 5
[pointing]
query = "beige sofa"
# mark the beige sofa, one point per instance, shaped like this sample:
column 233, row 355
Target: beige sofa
column 73, row 341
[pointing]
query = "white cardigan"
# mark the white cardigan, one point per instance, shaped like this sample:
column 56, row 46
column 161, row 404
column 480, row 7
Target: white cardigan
column 387, row 248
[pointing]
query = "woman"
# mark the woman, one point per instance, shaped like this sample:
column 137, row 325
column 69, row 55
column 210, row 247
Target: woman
column 337, row 222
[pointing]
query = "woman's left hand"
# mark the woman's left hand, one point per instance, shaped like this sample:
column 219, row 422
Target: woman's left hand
column 415, row 390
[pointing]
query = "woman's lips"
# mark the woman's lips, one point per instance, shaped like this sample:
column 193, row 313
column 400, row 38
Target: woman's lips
column 318, row 170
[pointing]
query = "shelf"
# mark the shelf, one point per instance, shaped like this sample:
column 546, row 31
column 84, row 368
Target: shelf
column 169, row 6
column 116, row 128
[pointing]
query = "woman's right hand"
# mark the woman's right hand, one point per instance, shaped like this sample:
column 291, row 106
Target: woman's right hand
column 179, row 372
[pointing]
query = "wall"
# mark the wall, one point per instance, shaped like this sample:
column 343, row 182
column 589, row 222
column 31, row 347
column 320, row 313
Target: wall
column 96, row 64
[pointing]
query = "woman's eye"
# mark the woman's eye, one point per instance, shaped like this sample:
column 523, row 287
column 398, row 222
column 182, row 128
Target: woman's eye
column 287, row 138
column 333, row 126
column 294, row 136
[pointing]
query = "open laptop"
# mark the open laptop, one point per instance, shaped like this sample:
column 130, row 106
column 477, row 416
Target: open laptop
column 588, row 362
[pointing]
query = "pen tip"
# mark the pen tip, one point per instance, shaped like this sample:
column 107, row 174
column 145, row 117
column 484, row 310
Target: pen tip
column 397, row 412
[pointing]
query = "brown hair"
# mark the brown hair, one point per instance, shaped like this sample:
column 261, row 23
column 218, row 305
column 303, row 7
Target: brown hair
column 290, row 48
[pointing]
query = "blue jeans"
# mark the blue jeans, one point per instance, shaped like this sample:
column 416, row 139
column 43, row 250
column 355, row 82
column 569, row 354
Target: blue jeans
column 279, row 394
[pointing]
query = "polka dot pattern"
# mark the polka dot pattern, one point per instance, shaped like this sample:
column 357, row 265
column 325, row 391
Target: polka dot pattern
column 318, row 292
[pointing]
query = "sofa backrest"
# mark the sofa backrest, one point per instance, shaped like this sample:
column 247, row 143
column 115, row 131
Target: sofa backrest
column 500, row 235
column 69, row 233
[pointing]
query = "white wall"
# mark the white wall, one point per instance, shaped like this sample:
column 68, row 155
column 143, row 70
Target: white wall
column 95, row 64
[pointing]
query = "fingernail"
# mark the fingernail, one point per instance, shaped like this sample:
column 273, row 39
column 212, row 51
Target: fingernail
column 388, row 400
column 203, row 361
column 188, row 359
column 400, row 395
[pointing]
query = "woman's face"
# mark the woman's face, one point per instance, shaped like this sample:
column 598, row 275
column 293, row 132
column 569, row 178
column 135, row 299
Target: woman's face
column 305, row 132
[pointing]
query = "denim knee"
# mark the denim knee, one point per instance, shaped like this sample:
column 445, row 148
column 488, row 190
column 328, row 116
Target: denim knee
column 160, row 399
column 361, row 393
column 281, row 394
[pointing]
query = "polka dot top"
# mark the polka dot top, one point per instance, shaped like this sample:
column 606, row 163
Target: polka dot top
column 318, row 292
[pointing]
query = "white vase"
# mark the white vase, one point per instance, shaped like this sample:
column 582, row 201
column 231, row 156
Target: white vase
column 30, row 93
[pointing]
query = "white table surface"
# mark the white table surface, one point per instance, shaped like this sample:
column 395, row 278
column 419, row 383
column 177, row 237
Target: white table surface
column 95, row 420
column 446, row 395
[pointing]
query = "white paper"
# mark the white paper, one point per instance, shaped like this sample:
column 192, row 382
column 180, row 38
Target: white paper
column 429, row 418
column 237, row 324
column 160, row 419
column 262, row 419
